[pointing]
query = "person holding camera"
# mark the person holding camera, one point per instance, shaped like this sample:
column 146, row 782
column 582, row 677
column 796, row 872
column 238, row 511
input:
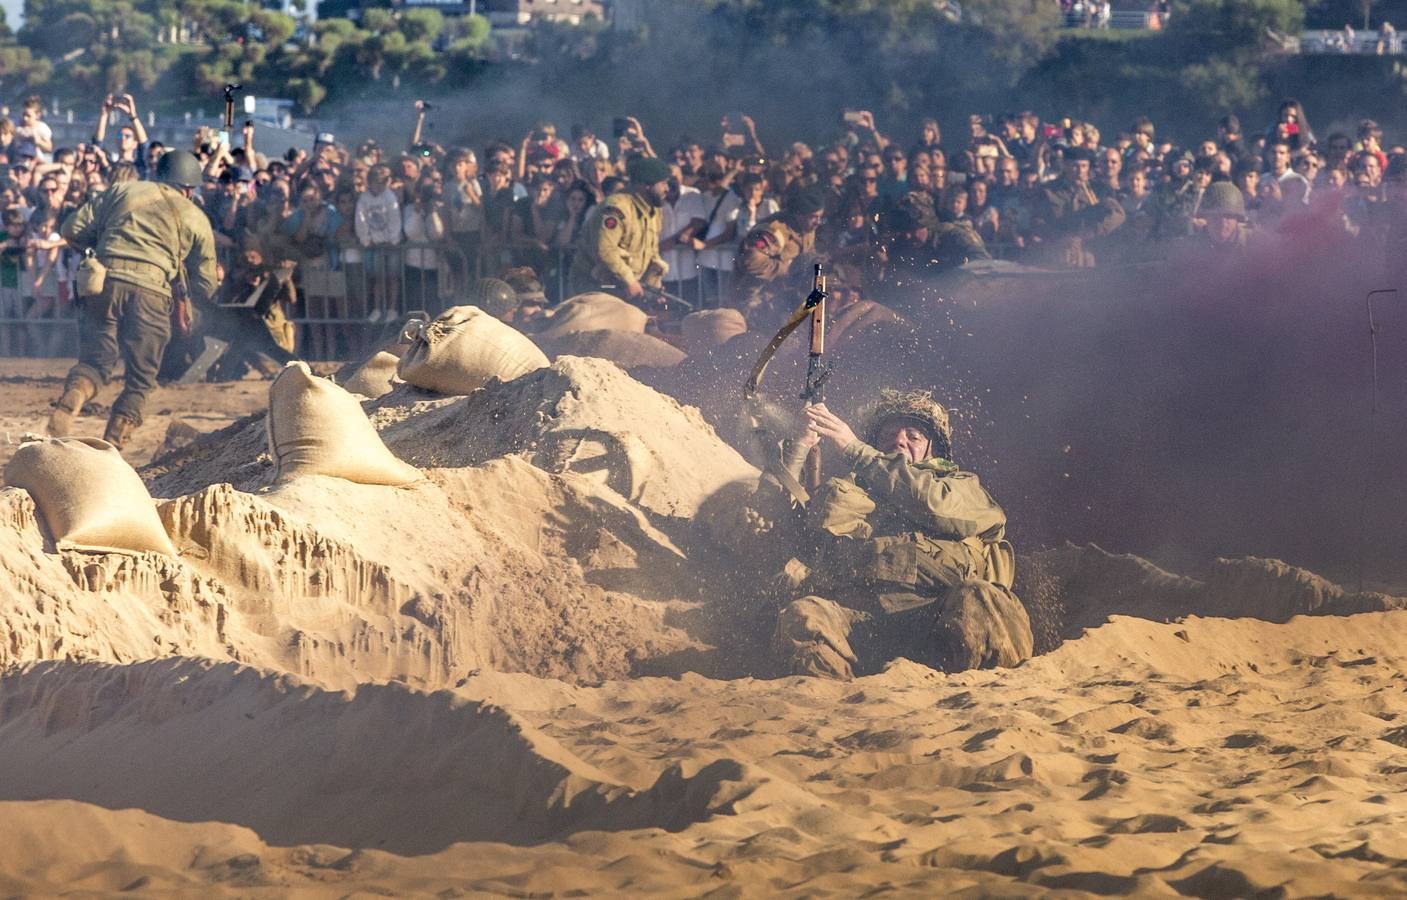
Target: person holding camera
column 131, row 136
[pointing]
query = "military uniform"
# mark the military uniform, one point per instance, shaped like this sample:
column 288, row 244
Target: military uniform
column 149, row 236
column 254, row 318
column 767, row 273
column 1072, row 214
column 911, row 560
column 620, row 243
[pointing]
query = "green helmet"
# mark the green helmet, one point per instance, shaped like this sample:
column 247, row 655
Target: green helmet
column 916, row 407
column 494, row 296
column 179, row 168
column 1223, row 198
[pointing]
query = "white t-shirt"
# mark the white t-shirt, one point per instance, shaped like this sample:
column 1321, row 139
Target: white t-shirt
column 765, row 210
column 676, row 217
column 24, row 141
column 721, row 256
column 378, row 218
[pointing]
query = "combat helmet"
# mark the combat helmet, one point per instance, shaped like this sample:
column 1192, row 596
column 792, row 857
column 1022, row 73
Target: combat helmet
column 494, row 296
column 916, row 407
column 1222, row 198
column 180, row 169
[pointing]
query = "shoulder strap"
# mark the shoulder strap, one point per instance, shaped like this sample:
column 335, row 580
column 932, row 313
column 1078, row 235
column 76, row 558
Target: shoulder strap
column 180, row 244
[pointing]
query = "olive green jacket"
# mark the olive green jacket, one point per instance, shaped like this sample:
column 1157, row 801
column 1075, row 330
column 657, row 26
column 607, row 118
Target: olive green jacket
column 620, row 243
column 148, row 235
column 902, row 532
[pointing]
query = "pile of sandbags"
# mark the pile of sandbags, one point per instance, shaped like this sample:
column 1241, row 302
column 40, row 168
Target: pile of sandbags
column 88, row 496
column 709, row 328
column 462, row 349
column 593, row 312
column 373, row 377
column 627, row 349
column 317, row 428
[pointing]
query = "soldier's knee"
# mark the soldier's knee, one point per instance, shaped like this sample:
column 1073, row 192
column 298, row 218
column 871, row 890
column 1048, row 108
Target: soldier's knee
column 980, row 625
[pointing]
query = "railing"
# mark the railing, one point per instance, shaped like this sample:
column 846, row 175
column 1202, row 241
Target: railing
column 1119, row 19
column 1370, row 43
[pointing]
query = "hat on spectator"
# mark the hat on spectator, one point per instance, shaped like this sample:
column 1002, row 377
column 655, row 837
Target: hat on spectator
column 1075, row 154
column 646, row 170
column 326, row 137
column 244, row 173
column 1222, row 198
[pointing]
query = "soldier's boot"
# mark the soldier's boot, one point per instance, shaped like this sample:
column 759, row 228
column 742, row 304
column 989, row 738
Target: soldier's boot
column 119, row 431
column 77, row 392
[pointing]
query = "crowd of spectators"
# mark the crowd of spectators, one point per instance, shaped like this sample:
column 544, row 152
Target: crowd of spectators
column 371, row 232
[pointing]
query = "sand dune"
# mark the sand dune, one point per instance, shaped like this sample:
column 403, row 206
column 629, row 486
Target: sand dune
column 1206, row 758
column 454, row 688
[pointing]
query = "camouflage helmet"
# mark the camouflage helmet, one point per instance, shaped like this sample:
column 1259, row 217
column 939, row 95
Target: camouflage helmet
column 1222, row 198
column 916, row 407
column 494, row 296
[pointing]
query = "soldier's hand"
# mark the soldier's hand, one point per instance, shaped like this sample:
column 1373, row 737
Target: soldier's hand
column 634, row 290
column 809, row 438
column 830, row 426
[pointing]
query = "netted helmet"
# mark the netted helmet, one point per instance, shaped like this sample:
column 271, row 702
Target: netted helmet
column 179, row 168
column 1223, row 198
column 914, row 407
column 494, row 296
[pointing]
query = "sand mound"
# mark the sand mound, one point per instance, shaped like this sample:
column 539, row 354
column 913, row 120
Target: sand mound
column 1071, row 588
column 580, row 415
column 500, row 566
column 303, row 765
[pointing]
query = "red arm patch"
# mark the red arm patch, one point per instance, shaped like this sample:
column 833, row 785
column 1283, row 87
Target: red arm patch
column 611, row 222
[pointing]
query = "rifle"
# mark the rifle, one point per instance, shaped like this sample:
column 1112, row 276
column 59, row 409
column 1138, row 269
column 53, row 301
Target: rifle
column 659, row 293
column 816, row 371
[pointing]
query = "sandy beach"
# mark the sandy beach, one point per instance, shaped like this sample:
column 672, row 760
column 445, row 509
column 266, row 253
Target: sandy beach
column 531, row 673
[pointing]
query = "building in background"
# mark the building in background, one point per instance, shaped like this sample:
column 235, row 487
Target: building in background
column 500, row 13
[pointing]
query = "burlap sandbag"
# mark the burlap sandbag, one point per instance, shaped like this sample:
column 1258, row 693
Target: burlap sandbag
column 88, row 496
column 373, row 377
column 463, row 348
column 594, row 312
column 317, row 428
column 626, row 349
column 709, row 328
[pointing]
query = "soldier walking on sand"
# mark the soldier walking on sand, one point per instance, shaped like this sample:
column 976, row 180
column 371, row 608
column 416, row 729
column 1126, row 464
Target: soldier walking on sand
column 910, row 552
column 151, row 238
column 620, row 243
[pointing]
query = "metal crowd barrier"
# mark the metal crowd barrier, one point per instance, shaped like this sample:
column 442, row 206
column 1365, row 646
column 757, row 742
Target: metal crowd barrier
column 36, row 323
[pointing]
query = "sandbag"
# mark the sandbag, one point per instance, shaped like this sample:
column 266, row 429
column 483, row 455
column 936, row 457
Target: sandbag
column 626, row 349
column 317, row 428
column 372, row 377
column 709, row 328
column 463, row 348
column 88, row 496
column 594, row 312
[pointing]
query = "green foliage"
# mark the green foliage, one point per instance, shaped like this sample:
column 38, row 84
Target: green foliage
column 1212, row 25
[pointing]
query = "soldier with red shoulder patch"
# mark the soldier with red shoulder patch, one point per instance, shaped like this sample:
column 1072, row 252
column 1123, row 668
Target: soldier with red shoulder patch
column 620, row 242
column 772, row 259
